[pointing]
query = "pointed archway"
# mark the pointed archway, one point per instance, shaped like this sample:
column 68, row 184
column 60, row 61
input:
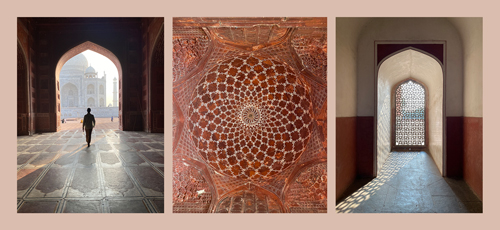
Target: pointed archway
column 98, row 49
column 427, row 70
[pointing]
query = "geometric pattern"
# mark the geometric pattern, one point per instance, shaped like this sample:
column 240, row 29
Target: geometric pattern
column 248, row 201
column 119, row 172
column 250, row 117
column 308, row 191
column 250, row 114
column 192, row 192
column 410, row 114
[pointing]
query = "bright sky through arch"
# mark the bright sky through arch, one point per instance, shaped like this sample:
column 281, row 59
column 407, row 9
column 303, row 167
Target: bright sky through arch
column 102, row 64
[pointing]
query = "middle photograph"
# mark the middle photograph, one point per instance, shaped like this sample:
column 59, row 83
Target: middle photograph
column 249, row 115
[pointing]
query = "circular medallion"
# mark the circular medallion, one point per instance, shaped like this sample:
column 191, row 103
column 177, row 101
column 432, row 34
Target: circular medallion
column 250, row 117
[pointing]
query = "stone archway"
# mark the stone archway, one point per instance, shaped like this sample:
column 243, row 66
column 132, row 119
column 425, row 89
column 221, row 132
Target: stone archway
column 98, row 49
column 427, row 70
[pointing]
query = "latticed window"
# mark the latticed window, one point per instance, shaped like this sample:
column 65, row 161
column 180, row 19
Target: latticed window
column 409, row 119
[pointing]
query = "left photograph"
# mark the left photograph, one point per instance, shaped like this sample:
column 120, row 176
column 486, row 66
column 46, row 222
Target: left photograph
column 90, row 115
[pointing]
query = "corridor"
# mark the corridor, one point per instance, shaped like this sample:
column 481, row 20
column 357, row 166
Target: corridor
column 121, row 172
column 410, row 182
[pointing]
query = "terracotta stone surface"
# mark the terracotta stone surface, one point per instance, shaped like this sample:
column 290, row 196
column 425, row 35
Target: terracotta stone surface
column 364, row 146
column 308, row 191
column 249, row 109
column 473, row 154
column 250, row 117
column 345, row 156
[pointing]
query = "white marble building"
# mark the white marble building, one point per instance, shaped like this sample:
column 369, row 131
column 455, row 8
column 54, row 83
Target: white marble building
column 82, row 88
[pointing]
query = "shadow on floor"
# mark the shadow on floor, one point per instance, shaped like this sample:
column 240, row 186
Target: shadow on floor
column 409, row 182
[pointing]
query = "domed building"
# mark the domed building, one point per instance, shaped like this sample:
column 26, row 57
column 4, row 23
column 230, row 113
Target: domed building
column 82, row 88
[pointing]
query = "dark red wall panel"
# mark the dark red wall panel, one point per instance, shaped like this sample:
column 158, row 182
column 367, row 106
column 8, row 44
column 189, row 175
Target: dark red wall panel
column 345, row 153
column 473, row 154
column 454, row 147
column 364, row 146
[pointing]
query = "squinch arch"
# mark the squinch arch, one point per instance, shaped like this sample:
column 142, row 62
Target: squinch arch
column 98, row 49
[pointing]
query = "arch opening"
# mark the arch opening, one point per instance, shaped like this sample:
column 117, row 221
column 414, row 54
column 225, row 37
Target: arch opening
column 410, row 65
column 91, row 87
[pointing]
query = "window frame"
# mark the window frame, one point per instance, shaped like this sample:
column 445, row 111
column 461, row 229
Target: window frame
column 403, row 148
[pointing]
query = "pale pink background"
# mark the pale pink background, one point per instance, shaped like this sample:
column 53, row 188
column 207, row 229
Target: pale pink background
column 215, row 8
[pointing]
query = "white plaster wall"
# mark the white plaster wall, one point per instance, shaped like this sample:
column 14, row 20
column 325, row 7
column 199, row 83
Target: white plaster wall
column 471, row 31
column 428, row 71
column 347, row 32
column 415, row 30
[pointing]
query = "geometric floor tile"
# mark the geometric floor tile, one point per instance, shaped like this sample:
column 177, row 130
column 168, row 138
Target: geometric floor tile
column 57, row 172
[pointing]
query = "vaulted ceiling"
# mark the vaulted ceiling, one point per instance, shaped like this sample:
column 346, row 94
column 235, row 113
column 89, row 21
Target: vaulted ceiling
column 249, row 114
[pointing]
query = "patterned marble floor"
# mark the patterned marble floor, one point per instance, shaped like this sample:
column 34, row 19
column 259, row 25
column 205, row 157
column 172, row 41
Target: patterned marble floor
column 410, row 182
column 121, row 172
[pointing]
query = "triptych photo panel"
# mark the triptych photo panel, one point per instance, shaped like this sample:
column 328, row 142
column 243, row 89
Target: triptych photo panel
column 244, row 105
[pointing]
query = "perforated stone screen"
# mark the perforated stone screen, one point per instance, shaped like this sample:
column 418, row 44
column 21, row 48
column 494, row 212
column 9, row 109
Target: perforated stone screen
column 410, row 114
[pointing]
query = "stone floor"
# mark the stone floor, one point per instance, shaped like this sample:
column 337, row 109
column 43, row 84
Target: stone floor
column 121, row 172
column 410, row 182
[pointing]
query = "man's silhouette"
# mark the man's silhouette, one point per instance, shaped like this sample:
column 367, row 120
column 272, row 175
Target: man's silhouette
column 88, row 125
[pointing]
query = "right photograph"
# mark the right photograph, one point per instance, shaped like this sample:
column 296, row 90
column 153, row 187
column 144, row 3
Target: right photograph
column 409, row 115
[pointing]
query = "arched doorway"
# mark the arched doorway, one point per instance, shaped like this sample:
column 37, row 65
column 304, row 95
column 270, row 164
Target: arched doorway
column 91, row 102
column 422, row 69
column 91, row 89
column 69, row 95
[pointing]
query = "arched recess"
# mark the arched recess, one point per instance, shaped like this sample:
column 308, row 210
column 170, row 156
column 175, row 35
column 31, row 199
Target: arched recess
column 415, row 64
column 23, row 95
column 249, row 199
column 98, row 49
column 69, row 95
column 90, row 89
column 156, row 86
column 91, row 102
column 306, row 189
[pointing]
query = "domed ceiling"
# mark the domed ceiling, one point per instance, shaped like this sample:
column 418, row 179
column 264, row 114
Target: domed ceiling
column 249, row 115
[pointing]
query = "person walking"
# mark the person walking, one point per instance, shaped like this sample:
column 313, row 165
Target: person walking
column 88, row 125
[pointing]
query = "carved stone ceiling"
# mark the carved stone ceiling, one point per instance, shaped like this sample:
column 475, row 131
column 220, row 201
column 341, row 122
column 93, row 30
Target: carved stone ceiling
column 249, row 118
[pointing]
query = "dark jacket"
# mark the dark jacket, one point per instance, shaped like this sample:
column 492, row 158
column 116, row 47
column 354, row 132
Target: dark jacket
column 88, row 121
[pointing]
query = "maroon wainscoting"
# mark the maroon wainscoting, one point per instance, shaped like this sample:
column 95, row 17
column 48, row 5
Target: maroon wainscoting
column 345, row 153
column 454, row 146
column 473, row 154
column 364, row 146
